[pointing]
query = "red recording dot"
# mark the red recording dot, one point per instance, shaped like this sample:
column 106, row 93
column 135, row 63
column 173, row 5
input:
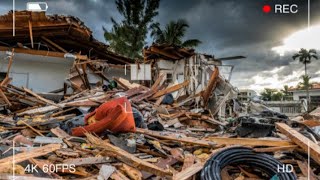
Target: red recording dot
column 266, row 8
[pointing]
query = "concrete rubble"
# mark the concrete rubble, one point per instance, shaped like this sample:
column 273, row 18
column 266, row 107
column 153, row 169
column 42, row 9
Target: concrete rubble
column 178, row 119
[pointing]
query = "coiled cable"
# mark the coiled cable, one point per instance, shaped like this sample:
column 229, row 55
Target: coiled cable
column 243, row 156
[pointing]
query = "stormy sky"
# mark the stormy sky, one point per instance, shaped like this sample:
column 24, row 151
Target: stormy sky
column 225, row 27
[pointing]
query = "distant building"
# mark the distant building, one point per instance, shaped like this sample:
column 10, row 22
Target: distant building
column 246, row 94
column 314, row 93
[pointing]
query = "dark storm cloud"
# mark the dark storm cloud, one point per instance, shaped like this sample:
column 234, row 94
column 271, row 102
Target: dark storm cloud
column 233, row 27
column 226, row 28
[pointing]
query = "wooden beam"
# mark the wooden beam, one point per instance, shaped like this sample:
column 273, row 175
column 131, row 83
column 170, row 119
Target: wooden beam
column 102, row 52
column 128, row 158
column 155, row 50
column 40, row 98
column 34, row 52
column 7, row 80
column 190, row 171
column 195, row 168
column 30, row 34
column 85, row 76
column 302, row 141
column 211, row 86
column 53, row 44
column 173, row 137
column 88, row 161
column 171, row 89
column 42, row 53
column 126, row 84
column 33, row 129
column 310, row 123
column 5, row 97
column 274, row 149
column 156, row 84
column 6, row 163
column 80, row 75
column 248, row 141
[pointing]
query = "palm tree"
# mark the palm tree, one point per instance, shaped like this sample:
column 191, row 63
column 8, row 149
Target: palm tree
column 305, row 57
column 285, row 92
column 173, row 34
column 305, row 84
column 271, row 95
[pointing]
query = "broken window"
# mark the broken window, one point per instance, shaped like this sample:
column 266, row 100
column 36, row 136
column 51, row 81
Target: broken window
column 169, row 78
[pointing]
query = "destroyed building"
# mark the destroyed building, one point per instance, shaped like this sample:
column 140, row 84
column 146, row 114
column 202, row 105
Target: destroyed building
column 178, row 118
column 178, row 66
column 46, row 48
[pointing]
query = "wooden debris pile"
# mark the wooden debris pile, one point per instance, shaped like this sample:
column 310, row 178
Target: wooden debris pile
column 178, row 147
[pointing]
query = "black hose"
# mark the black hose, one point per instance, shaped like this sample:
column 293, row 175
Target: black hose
column 243, row 156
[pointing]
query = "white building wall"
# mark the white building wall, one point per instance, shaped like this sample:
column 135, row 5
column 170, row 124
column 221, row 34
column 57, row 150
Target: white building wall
column 297, row 94
column 39, row 73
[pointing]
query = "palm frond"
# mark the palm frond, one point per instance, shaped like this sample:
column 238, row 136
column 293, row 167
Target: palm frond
column 295, row 56
column 191, row 43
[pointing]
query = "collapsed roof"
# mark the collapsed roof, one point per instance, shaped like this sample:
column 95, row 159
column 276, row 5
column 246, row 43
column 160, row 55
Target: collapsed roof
column 57, row 33
column 166, row 51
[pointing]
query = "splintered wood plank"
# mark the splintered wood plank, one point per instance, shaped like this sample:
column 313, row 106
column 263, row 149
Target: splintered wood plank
column 304, row 169
column 128, row 158
column 39, row 97
column 33, row 129
column 173, row 137
column 311, row 123
column 195, row 168
column 188, row 161
column 171, row 89
column 85, row 76
column 5, row 163
column 162, row 163
column 30, row 33
column 249, row 141
column 60, row 133
column 5, row 98
column 131, row 172
column 117, row 175
column 156, row 84
column 188, row 172
column 211, row 85
column 35, row 52
column 53, row 44
column 88, row 161
column 301, row 141
column 143, row 96
column 274, row 149
column 162, row 52
column 80, row 75
column 126, row 84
